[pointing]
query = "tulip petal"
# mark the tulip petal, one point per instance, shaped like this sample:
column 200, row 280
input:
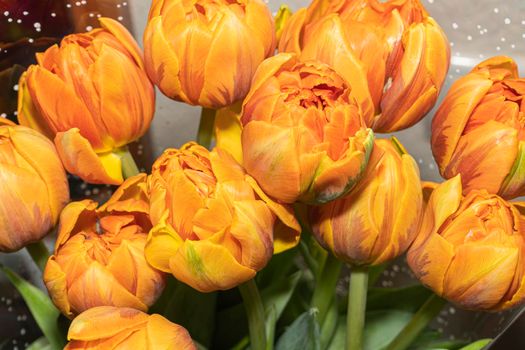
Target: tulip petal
column 162, row 244
column 291, row 34
column 494, row 266
column 287, row 235
column 76, row 217
column 98, row 287
column 208, row 267
column 264, row 159
column 514, row 184
column 453, row 114
column 80, row 159
column 228, row 131
column 162, row 334
column 125, row 38
column 328, row 44
column 56, row 284
column 162, row 64
column 104, row 322
column 484, row 157
column 129, row 197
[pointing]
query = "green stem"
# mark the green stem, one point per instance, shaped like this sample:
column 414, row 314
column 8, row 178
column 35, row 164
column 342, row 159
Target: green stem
column 325, row 284
column 207, row 123
column 39, row 254
column 355, row 317
column 129, row 167
column 418, row 323
column 255, row 313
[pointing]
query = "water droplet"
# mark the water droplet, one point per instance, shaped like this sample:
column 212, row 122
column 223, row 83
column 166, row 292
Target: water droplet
column 507, row 20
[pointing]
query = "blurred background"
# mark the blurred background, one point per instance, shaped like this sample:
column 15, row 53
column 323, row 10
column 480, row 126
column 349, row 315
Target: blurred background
column 477, row 29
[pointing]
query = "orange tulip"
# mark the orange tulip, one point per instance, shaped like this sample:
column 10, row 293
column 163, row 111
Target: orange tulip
column 99, row 254
column 394, row 55
column 109, row 328
column 92, row 96
column 205, row 52
column 34, row 186
column 478, row 130
column 379, row 219
column 212, row 230
column 470, row 249
column 303, row 135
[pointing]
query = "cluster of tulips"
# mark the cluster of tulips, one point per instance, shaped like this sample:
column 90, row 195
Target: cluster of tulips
column 296, row 151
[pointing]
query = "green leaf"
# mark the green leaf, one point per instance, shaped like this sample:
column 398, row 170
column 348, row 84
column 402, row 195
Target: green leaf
column 303, row 334
column 432, row 340
column 195, row 311
column 41, row 307
column 478, row 345
column 408, row 299
column 382, row 326
column 39, row 344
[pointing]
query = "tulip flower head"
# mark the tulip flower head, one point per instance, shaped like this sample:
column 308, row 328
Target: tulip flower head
column 478, row 131
column 380, row 218
column 109, row 328
column 212, row 231
column 91, row 96
column 303, row 134
column 205, row 52
column 394, row 55
column 34, row 186
column 99, row 254
column 470, row 249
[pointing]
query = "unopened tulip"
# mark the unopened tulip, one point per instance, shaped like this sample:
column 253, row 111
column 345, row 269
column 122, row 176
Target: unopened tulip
column 99, row 254
column 303, row 137
column 205, row 52
column 91, row 96
column 478, row 130
column 394, row 55
column 33, row 189
column 470, row 249
column 112, row 328
column 379, row 219
column 214, row 228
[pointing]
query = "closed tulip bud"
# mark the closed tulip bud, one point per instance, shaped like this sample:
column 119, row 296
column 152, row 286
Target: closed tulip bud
column 394, row 55
column 109, row 328
column 99, row 254
column 303, row 137
column 214, row 228
column 478, row 130
column 205, row 52
column 91, row 96
column 34, row 186
column 380, row 218
column 470, row 248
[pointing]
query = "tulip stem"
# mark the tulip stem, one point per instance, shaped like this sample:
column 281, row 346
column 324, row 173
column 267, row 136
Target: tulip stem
column 255, row 313
column 129, row 167
column 418, row 323
column 39, row 253
column 355, row 317
column 207, row 123
column 324, row 291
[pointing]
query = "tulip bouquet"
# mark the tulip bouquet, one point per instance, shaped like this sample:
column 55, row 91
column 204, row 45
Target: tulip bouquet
column 239, row 240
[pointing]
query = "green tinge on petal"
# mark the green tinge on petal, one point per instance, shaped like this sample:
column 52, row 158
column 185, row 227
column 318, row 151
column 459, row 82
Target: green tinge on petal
column 399, row 146
column 281, row 18
column 316, row 198
column 514, row 184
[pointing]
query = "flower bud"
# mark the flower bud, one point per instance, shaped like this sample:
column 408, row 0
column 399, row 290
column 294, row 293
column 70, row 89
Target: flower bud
column 393, row 54
column 108, row 328
column 478, row 130
column 91, row 96
column 205, row 52
column 99, row 254
column 380, row 218
column 34, row 186
column 470, row 248
column 303, row 137
column 214, row 228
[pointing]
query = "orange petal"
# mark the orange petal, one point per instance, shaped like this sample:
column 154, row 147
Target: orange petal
column 80, row 159
column 125, row 38
column 131, row 196
column 163, row 243
column 162, row 334
column 56, row 284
